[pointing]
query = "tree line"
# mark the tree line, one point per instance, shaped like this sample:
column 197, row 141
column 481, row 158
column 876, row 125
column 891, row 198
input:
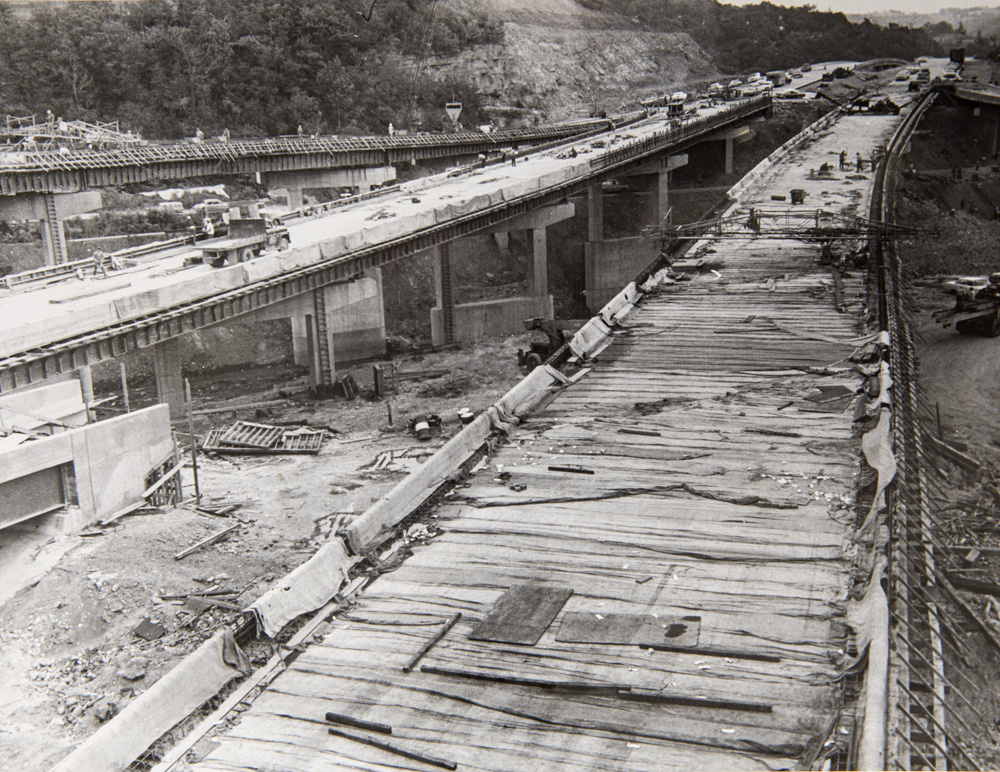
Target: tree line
column 166, row 68
column 257, row 67
column 770, row 37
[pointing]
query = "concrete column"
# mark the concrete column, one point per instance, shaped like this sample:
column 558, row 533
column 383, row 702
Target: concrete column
column 295, row 200
column 300, row 340
column 169, row 378
column 595, row 213
column 53, row 233
column 663, row 214
column 86, row 383
column 729, row 138
column 538, row 279
column 443, row 315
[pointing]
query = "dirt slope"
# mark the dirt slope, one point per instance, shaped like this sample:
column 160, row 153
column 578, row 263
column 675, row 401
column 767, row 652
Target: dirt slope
column 560, row 60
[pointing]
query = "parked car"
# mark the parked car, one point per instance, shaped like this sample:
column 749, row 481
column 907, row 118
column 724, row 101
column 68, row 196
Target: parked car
column 211, row 206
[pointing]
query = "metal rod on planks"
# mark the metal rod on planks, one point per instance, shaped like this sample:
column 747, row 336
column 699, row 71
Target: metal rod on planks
column 194, row 451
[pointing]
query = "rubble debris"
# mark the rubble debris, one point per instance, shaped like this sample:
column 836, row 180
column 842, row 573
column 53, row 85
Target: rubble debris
column 149, row 631
column 346, row 387
column 263, row 439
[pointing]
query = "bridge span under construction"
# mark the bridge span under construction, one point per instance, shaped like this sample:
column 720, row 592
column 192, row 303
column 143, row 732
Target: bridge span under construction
column 666, row 549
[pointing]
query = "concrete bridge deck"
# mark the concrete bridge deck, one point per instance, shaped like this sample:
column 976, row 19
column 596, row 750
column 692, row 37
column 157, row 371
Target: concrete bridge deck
column 69, row 325
column 74, row 170
column 702, row 473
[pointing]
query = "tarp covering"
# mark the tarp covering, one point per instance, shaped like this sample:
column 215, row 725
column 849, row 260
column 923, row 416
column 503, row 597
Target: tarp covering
column 306, row 588
column 870, row 619
column 412, row 491
column 197, row 678
column 877, row 447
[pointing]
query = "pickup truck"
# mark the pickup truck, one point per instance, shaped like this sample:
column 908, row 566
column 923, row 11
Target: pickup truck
column 246, row 239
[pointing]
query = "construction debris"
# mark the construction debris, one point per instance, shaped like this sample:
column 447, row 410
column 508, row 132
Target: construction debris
column 207, row 541
column 263, row 439
column 149, row 631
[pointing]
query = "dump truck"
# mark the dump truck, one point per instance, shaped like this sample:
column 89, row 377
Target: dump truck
column 977, row 305
column 246, row 239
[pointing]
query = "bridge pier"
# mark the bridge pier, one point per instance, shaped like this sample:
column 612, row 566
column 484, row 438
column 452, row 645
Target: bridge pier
column 452, row 322
column 656, row 179
column 730, row 138
column 610, row 264
column 361, row 179
column 338, row 323
column 169, row 377
column 50, row 209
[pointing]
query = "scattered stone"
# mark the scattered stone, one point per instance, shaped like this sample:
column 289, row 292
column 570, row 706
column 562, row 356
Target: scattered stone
column 132, row 672
column 105, row 709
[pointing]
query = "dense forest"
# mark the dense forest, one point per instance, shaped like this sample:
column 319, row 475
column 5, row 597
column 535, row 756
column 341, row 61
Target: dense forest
column 263, row 67
column 769, row 37
column 253, row 66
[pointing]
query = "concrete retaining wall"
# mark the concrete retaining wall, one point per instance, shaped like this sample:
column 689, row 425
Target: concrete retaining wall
column 112, row 458
column 110, row 461
column 485, row 318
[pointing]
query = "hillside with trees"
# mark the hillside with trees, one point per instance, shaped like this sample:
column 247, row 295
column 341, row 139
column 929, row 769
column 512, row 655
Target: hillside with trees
column 767, row 37
column 257, row 67
column 166, row 68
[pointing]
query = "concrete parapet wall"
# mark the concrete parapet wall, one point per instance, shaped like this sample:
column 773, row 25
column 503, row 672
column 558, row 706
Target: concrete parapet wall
column 50, row 403
column 112, row 458
column 485, row 318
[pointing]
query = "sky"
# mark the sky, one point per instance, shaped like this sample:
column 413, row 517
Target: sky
column 870, row 6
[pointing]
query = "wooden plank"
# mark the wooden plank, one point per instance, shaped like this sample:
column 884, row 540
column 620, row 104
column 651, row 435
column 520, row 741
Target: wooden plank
column 522, row 614
column 207, row 541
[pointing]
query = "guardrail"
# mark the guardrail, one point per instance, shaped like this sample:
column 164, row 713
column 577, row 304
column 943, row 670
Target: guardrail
column 922, row 695
column 95, row 262
column 315, row 209
column 672, row 136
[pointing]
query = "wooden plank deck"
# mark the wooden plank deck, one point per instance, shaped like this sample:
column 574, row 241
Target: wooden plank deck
column 734, row 504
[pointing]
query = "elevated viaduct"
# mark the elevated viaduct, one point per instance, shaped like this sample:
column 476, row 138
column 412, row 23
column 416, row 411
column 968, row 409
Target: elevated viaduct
column 52, row 184
column 53, row 331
